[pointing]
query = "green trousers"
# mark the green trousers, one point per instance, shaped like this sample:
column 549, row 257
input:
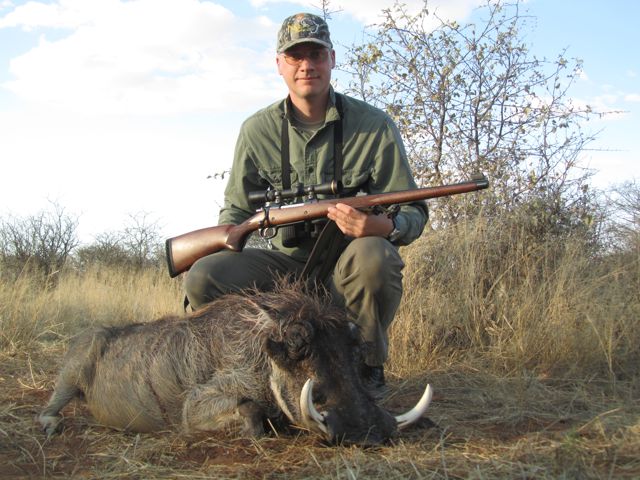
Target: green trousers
column 367, row 281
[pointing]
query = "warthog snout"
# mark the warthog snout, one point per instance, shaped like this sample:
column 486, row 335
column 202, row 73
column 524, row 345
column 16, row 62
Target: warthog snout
column 338, row 428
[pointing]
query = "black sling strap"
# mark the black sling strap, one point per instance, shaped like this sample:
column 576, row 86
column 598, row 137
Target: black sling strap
column 324, row 254
column 285, row 159
column 338, row 158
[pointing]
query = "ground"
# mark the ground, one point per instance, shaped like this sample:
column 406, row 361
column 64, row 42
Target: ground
column 478, row 427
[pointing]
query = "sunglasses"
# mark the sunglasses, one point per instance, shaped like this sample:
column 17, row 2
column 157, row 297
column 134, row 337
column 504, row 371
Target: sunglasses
column 295, row 58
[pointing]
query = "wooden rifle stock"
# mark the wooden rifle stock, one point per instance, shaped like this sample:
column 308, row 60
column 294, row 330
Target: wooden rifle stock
column 185, row 249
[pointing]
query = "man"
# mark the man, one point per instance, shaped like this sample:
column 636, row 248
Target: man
column 312, row 137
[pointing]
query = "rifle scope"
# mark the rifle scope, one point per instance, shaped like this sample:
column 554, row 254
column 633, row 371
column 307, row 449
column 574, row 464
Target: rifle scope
column 333, row 187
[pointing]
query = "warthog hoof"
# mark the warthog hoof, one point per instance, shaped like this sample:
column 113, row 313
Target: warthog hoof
column 51, row 424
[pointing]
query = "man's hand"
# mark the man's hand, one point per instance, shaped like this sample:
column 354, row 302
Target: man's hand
column 356, row 224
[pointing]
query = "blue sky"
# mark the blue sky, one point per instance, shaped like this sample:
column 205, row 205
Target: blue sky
column 112, row 107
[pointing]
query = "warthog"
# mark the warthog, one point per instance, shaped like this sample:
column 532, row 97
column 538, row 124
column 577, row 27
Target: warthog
column 247, row 358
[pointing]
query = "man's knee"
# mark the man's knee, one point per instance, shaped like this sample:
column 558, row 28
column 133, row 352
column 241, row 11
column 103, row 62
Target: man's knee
column 204, row 281
column 374, row 259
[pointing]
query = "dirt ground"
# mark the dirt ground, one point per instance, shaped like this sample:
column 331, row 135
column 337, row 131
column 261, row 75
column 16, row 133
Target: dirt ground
column 477, row 427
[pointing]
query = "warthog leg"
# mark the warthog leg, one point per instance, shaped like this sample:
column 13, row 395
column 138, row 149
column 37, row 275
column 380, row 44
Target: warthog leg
column 50, row 418
column 211, row 406
column 78, row 367
column 65, row 390
column 253, row 416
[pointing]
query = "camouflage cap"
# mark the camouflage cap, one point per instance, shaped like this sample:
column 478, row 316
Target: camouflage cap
column 303, row 27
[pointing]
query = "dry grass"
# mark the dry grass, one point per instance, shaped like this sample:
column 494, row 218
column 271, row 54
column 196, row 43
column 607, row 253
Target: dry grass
column 30, row 313
column 532, row 349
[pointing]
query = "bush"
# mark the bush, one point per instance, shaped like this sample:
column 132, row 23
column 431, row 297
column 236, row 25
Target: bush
column 41, row 243
column 135, row 248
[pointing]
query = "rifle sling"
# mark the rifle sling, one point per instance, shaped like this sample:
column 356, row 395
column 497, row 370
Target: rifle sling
column 324, row 254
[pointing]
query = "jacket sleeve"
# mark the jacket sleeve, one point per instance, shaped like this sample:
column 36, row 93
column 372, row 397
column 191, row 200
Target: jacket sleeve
column 244, row 178
column 392, row 172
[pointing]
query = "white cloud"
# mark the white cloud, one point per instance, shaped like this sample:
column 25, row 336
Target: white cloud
column 606, row 99
column 632, row 97
column 131, row 60
column 159, row 56
column 145, row 56
column 65, row 14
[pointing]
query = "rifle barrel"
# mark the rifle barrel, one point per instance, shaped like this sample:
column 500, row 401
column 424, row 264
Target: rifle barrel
column 309, row 211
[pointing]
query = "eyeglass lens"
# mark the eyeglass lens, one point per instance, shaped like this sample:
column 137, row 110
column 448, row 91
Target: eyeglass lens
column 315, row 56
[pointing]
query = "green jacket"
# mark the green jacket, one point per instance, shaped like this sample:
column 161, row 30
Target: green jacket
column 374, row 158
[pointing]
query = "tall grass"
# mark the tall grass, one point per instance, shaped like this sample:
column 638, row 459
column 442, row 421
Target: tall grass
column 495, row 297
column 33, row 309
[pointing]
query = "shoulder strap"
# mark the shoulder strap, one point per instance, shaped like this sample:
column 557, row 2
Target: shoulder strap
column 285, row 161
column 338, row 158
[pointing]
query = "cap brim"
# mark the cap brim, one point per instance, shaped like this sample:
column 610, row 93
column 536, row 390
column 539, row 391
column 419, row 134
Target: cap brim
column 297, row 41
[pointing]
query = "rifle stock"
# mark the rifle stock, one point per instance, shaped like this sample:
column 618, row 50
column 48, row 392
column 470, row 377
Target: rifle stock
column 184, row 250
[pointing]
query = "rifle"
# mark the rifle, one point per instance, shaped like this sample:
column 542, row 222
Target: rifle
column 184, row 250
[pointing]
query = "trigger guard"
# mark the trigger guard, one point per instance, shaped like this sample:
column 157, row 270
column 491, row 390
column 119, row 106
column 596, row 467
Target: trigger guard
column 268, row 232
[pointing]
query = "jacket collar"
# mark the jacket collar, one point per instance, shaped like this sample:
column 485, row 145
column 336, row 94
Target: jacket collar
column 332, row 114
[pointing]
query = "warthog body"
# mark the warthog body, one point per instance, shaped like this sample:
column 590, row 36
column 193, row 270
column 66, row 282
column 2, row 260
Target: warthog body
column 242, row 357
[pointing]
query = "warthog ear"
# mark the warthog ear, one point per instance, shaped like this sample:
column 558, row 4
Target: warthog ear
column 298, row 339
column 294, row 346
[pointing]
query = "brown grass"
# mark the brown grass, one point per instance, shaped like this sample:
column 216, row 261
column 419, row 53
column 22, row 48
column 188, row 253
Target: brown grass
column 532, row 349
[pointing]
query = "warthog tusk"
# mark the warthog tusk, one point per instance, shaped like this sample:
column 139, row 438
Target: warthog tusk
column 416, row 412
column 309, row 412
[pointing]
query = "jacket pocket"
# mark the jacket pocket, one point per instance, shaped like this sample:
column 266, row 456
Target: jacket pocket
column 271, row 177
column 356, row 179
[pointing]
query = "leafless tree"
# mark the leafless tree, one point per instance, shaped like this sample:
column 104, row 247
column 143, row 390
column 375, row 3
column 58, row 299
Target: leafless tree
column 42, row 242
